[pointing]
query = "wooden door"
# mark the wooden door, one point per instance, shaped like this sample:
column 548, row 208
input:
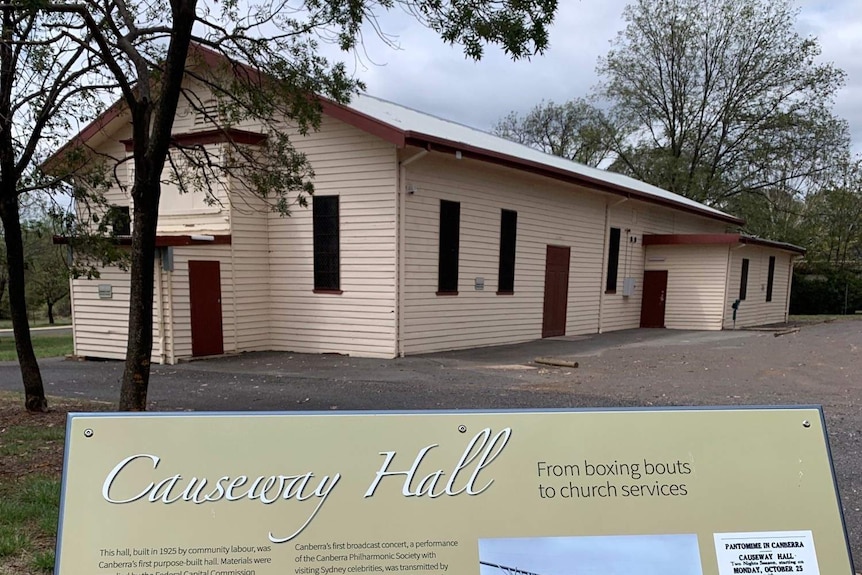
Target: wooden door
column 654, row 298
column 205, row 302
column 556, row 291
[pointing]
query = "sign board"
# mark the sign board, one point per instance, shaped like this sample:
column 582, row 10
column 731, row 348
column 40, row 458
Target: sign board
column 106, row 291
column 671, row 492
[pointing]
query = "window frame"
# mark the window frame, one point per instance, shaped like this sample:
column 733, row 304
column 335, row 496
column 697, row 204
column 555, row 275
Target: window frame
column 120, row 220
column 611, row 279
column 448, row 248
column 770, row 279
column 743, row 279
column 508, row 250
column 323, row 215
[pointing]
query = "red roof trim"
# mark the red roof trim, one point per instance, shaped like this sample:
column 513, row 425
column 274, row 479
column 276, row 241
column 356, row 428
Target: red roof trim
column 90, row 130
column 166, row 241
column 716, row 239
column 772, row 244
column 689, row 239
column 441, row 145
column 212, row 59
column 211, row 137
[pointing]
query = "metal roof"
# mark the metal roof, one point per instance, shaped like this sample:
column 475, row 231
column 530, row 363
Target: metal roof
column 402, row 126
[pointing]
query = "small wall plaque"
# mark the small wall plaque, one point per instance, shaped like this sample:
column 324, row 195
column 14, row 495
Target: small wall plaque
column 106, row 291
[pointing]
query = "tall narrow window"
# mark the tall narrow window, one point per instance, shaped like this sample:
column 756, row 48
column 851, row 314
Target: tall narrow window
column 447, row 263
column 613, row 260
column 743, row 280
column 326, row 246
column 508, row 236
column 120, row 220
column 770, row 278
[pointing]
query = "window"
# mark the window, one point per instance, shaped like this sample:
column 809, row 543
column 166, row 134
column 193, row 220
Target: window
column 447, row 263
column 508, row 234
column 743, row 280
column 119, row 220
column 326, row 247
column 770, row 278
column 613, row 260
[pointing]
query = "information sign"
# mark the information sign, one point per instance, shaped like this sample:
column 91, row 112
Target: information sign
column 666, row 491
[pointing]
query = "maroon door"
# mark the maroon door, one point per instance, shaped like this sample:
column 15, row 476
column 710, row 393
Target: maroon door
column 655, row 296
column 556, row 291
column 205, row 301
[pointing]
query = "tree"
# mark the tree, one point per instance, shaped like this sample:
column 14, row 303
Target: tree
column 723, row 99
column 834, row 213
column 271, row 53
column 4, row 273
column 575, row 130
column 44, row 72
column 46, row 271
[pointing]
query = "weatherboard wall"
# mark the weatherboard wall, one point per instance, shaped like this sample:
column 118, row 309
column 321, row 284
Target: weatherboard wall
column 101, row 324
column 549, row 213
column 634, row 219
column 696, row 282
column 754, row 309
column 360, row 320
column 250, row 255
column 118, row 174
column 194, row 211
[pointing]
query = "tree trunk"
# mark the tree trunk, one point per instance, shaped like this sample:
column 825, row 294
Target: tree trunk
column 152, row 124
column 34, row 392
column 50, row 305
column 136, row 375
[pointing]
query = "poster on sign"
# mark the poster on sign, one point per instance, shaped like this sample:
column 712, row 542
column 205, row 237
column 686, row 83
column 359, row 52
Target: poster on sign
column 766, row 552
column 687, row 491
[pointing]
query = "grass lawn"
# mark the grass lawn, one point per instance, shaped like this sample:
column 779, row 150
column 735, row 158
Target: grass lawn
column 43, row 345
column 31, row 460
column 60, row 321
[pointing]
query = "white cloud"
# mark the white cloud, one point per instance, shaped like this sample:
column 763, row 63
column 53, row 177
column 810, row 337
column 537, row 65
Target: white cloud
column 427, row 75
column 838, row 28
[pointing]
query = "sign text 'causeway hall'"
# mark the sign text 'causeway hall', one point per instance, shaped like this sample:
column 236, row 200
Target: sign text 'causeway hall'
column 463, row 477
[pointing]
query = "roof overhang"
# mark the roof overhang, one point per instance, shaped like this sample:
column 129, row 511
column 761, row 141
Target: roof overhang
column 717, row 239
column 103, row 124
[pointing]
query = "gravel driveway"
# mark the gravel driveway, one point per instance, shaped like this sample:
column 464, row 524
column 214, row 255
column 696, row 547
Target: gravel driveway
column 821, row 364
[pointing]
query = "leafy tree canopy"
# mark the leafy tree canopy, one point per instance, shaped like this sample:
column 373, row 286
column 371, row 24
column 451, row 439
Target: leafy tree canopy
column 575, row 130
column 721, row 98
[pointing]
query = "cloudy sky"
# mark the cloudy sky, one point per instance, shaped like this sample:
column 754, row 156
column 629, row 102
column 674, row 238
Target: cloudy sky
column 427, row 75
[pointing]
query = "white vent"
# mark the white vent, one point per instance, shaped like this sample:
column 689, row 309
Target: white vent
column 207, row 114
